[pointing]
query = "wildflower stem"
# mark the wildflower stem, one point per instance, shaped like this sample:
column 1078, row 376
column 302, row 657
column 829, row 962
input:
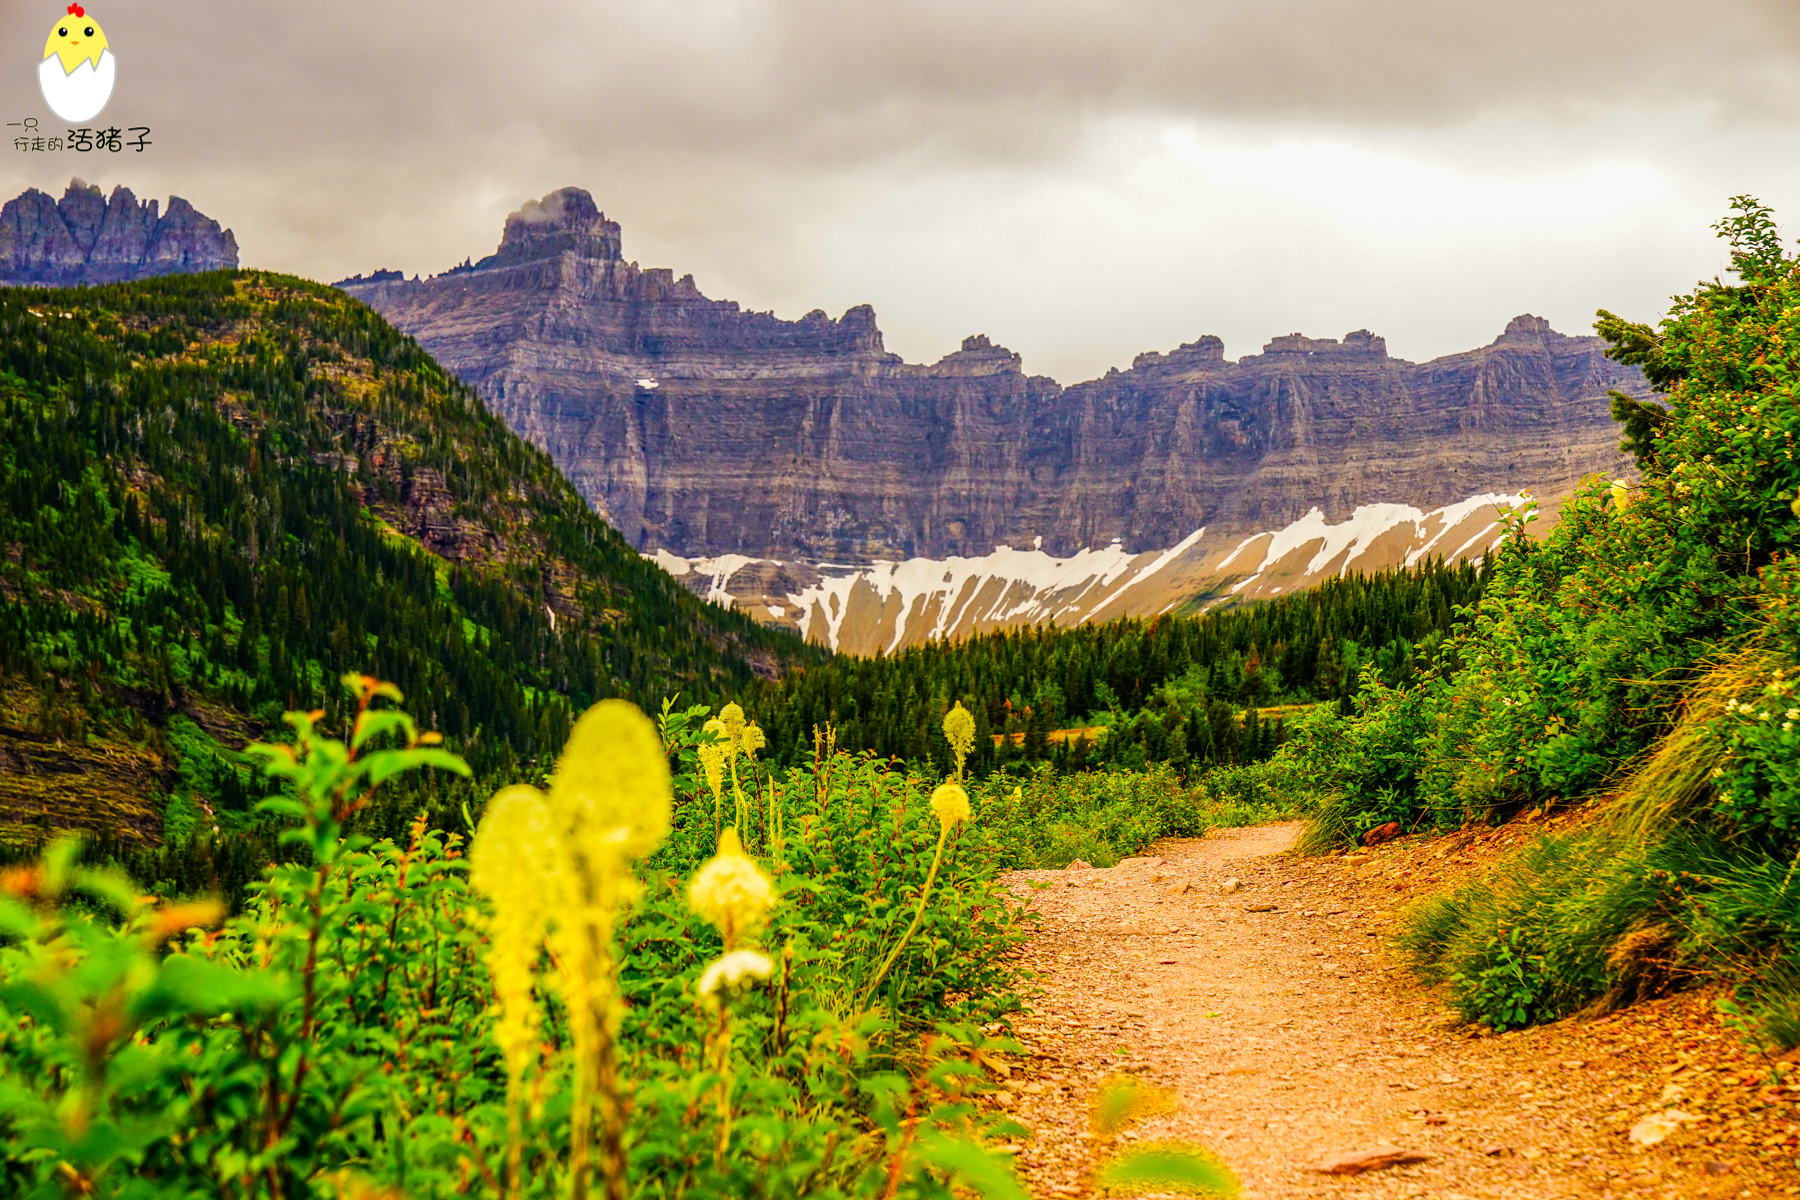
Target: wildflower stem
column 737, row 790
column 721, row 1065
column 612, row 1104
column 918, row 915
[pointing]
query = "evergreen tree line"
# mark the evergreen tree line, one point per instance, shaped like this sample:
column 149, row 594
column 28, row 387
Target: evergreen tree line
column 1183, row 690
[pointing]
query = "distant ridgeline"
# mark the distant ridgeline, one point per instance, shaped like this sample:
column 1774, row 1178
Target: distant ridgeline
column 218, row 492
column 86, row 238
column 1180, row 690
column 706, row 431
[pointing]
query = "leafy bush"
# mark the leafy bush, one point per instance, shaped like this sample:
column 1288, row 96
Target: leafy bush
column 1048, row 820
column 1644, row 653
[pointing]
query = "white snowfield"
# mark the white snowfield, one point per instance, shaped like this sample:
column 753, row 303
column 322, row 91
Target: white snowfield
column 884, row 606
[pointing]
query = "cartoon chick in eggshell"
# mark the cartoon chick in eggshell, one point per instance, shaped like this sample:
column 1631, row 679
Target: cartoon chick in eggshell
column 78, row 68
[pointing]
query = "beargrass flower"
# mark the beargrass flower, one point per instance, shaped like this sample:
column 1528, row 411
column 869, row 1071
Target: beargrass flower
column 732, row 969
column 951, row 804
column 959, row 731
column 712, row 761
column 732, row 718
column 609, row 804
column 510, row 862
column 753, row 738
column 610, row 793
column 731, row 892
column 507, row 864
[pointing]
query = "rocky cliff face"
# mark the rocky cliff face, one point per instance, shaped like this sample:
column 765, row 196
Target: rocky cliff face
column 704, row 430
column 86, row 238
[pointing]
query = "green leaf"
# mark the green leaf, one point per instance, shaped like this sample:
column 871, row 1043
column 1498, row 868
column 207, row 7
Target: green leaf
column 36, row 1000
column 59, row 860
column 189, row 985
column 111, row 886
column 17, row 920
column 371, row 724
column 1169, row 1167
column 987, row 1171
column 385, row 764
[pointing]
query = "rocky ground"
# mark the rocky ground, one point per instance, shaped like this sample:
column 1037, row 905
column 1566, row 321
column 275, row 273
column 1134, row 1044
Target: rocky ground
column 1292, row 1037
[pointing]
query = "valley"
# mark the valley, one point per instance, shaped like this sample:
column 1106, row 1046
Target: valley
column 367, row 734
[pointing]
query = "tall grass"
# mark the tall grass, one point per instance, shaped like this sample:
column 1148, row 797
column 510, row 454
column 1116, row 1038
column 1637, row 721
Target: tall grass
column 1653, row 893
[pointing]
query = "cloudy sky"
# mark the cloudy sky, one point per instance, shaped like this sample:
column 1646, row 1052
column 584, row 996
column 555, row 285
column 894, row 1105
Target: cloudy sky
column 1079, row 179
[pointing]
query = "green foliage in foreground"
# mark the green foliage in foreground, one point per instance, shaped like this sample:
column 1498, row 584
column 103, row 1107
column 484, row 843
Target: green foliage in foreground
column 338, row 1034
column 1647, row 652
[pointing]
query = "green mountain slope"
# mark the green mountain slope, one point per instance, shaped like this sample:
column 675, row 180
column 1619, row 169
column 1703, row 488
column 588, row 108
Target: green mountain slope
column 219, row 492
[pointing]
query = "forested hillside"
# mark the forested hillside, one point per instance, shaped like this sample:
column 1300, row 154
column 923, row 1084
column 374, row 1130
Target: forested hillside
column 219, row 492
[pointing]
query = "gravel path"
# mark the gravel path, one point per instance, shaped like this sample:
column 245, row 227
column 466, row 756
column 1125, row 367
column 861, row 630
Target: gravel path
column 1292, row 1037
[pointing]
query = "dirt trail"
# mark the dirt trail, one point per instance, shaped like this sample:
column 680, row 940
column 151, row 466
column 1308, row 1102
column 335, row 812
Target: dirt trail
column 1292, row 1036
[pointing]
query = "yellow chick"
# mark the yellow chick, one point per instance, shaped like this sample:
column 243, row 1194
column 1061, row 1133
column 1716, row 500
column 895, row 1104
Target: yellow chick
column 78, row 68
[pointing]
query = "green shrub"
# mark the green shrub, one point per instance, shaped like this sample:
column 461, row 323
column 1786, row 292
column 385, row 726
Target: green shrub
column 1048, row 820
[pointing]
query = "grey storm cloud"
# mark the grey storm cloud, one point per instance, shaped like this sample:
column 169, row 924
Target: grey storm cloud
column 340, row 135
column 819, row 83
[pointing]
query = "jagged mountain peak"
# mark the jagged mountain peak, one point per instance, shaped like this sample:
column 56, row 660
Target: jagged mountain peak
column 1528, row 330
column 85, row 238
column 565, row 220
column 1358, row 345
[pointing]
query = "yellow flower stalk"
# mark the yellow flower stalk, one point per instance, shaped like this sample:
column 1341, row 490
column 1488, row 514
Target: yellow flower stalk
column 610, row 793
column 753, row 739
column 731, row 891
column 951, row 806
column 729, row 725
column 732, row 718
column 609, row 804
column 959, row 731
column 733, row 894
column 712, row 762
column 507, row 863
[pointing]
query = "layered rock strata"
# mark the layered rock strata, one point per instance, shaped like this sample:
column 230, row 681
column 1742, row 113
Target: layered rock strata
column 704, row 430
column 87, row 238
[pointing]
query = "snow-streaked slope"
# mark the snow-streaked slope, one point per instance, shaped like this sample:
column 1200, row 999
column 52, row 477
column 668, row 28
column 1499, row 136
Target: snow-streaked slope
column 884, row 606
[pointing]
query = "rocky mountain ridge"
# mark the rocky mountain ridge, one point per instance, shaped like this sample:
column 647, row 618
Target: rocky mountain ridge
column 86, row 238
column 704, row 430
column 886, row 606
